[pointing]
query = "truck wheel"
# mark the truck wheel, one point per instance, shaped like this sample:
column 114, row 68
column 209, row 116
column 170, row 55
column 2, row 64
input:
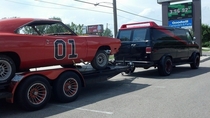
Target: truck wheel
column 100, row 60
column 131, row 70
column 67, row 87
column 7, row 69
column 165, row 66
column 33, row 93
column 195, row 62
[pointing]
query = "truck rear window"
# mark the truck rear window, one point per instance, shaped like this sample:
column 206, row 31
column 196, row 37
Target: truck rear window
column 133, row 34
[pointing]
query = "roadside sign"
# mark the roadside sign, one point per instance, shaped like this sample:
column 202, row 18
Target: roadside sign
column 180, row 11
column 180, row 23
column 91, row 29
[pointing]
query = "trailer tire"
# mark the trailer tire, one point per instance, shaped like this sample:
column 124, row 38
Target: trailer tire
column 33, row 93
column 100, row 60
column 66, row 87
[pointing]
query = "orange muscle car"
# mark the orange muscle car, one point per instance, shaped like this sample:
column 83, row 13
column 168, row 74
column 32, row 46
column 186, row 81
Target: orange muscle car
column 29, row 43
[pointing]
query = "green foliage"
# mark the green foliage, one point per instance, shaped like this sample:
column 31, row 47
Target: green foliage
column 56, row 18
column 206, row 44
column 76, row 28
column 205, row 35
column 107, row 32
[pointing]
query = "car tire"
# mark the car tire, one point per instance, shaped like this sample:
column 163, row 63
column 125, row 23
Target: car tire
column 67, row 87
column 33, row 93
column 195, row 62
column 100, row 60
column 165, row 66
column 7, row 69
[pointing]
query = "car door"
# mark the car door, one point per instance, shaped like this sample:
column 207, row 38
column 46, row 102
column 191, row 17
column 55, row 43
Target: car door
column 182, row 44
column 192, row 45
column 124, row 50
column 65, row 49
column 140, row 40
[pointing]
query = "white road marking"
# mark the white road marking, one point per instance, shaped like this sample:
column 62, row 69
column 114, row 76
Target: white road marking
column 90, row 110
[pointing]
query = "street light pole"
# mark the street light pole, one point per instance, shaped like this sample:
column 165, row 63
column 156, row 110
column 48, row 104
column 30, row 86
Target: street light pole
column 114, row 12
column 115, row 17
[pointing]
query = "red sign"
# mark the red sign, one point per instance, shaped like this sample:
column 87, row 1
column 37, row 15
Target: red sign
column 95, row 29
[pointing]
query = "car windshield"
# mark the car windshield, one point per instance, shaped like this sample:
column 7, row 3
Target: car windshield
column 54, row 28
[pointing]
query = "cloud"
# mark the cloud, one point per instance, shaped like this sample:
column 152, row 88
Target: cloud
column 146, row 12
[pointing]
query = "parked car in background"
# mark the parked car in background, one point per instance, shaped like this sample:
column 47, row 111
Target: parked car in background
column 29, row 43
column 148, row 45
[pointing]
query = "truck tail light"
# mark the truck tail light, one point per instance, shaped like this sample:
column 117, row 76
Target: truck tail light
column 148, row 50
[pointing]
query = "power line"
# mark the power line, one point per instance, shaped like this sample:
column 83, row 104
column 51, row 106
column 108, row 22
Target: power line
column 57, row 4
column 62, row 8
column 97, row 4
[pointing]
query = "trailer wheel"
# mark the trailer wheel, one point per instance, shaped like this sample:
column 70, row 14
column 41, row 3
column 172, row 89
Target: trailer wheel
column 67, row 87
column 100, row 60
column 7, row 69
column 33, row 93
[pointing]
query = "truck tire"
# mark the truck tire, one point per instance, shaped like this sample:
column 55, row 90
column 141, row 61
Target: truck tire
column 165, row 66
column 66, row 87
column 33, row 93
column 100, row 60
column 195, row 62
column 7, row 69
column 131, row 70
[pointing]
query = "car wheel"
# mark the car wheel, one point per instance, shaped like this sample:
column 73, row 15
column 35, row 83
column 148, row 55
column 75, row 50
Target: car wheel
column 7, row 69
column 195, row 62
column 67, row 87
column 165, row 66
column 33, row 93
column 100, row 60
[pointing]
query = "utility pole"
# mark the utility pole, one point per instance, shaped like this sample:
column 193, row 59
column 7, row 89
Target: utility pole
column 115, row 17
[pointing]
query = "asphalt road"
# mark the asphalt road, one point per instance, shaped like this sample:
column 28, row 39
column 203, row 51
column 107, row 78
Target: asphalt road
column 144, row 94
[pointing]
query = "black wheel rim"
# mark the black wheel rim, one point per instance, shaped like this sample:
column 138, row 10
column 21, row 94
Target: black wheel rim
column 168, row 66
column 197, row 61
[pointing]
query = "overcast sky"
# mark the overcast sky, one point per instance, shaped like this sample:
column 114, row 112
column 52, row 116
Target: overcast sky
column 82, row 13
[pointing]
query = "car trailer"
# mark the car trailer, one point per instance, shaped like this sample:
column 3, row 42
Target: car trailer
column 33, row 90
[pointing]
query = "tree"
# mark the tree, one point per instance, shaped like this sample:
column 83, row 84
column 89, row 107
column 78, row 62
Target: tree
column 107, row 32
column 76, row 28
column 205, row 35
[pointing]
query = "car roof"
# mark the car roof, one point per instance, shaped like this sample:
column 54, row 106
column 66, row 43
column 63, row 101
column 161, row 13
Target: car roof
column 10, row 25
column 149, row 24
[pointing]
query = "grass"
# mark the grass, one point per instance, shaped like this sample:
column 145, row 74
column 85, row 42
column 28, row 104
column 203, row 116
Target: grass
column 205, row 48
column 111, row 57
